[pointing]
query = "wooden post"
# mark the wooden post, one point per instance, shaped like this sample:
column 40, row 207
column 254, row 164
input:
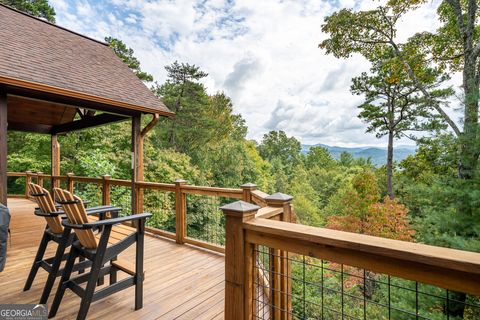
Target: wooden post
column 140, row 174
column 106, row 190
column 180, row 211
column 280, row 265
column 40, row 179
column 247, row 191
column 137, row 161
column 238, row 261
column 3, row 146
column 28, row 180
column 55, row 160
column 70, row 182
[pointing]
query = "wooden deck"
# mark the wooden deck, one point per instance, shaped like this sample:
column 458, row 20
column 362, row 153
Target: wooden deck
column 182, row 282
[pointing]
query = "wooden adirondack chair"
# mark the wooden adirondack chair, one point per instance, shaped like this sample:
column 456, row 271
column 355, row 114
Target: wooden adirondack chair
column 102, row 249
column 56, row 232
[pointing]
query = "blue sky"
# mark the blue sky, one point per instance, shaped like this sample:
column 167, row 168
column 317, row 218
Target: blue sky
column 263, row 53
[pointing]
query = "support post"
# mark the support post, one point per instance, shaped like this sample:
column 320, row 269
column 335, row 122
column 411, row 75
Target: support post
column 28, row 180
column 280, row 264
column 40, row 179
column 137, row 162
column 3, row 146
column 141, row 168
column 180, row 212
column 70, row 182
column 55, row 160
column 238, row 261
column 106, row 190
column 247, row 191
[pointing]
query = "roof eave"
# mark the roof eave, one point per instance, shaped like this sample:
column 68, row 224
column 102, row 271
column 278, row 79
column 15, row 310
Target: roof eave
column 9, row 81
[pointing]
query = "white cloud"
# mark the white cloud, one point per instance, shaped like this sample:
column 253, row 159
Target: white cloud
column 264, row 54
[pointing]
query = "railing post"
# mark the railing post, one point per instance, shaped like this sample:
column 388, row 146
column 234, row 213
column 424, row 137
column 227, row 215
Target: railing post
column 70, row 182
column 28, row 180
column 106, row 190
column 40, row 179
column 280, row 264
column 180, row 212
column 247, row 191
column 239, row 262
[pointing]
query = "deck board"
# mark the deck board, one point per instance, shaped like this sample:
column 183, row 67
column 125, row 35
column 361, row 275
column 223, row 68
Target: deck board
column 181, row 281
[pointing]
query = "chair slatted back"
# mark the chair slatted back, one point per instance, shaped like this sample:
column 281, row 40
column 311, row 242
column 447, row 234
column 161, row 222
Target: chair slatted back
column 47, row 205
column 77, row 214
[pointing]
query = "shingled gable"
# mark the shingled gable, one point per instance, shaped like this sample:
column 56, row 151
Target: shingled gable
column 37, row 55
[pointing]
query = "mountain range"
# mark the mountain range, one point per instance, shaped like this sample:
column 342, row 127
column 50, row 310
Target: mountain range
column 377, row 154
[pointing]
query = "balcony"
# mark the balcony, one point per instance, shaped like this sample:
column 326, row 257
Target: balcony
column 181, row 281
column 252, row 261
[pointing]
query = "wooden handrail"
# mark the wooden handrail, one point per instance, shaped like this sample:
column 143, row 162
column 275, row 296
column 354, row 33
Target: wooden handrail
column 443, row 267
column 106, row 183
column 213, row 191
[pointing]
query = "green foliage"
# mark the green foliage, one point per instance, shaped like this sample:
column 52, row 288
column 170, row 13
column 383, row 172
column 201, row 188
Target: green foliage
column 276, row 145
column 37, row 8
column 126, row 54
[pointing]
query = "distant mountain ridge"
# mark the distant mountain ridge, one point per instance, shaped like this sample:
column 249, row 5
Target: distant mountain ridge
column 377, row 154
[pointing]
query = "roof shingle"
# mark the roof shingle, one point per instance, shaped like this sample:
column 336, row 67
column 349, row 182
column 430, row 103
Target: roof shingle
column 36, row 51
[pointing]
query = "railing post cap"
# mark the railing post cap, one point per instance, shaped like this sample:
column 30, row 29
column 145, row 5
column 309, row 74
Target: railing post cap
column 239, row 208
column 278, row 198
column 106, row 176
column 248, row 186
column 180, row 181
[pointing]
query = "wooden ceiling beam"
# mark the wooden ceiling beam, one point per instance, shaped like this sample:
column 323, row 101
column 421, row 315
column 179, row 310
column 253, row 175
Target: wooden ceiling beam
column 87, row 122
column 28, row 127
column 72, row 101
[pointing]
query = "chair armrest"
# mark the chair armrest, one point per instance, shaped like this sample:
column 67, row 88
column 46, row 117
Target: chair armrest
column 102, row 209
column 40, row 213
column 140, row 216
column 90, row 211
column 105, row 222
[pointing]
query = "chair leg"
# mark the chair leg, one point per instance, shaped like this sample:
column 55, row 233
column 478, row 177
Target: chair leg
column 55, row 266
column 37, row 262
column 139, row 266
column 113, row 273
column 81, row 259
column 90, row 288
column 67, row 271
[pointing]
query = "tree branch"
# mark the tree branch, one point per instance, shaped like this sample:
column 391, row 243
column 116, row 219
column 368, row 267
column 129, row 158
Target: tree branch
column 434, row 103
column 455, row 4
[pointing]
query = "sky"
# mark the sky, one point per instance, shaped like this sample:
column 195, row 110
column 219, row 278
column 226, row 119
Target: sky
column 262, row 53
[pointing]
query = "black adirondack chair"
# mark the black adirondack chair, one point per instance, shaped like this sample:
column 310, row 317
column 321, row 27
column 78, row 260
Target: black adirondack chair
column 102, row 249
column 56, row 232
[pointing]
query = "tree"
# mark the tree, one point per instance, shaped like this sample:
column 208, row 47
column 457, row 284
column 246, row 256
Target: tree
column 394, row 105
column 126, row 54
column 37, row 8
column 456, row 45
column 319, row 156
column 276, row 144
column 186, row 96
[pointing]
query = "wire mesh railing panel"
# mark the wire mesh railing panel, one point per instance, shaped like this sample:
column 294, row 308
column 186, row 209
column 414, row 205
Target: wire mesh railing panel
column 161, row 204
column 91, row 192
column 205, row 220
column 302, row 287
column 121, row 196
column 16, row 185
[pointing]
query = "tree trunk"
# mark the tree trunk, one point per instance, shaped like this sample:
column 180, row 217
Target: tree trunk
column 390, row 166
column 468, row 140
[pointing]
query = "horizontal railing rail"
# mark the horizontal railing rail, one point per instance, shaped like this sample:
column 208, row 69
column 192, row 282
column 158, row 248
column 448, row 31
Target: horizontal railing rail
column 191, row 213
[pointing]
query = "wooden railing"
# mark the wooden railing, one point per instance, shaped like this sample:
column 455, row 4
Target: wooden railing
column 180, row 191
column 261, row 287
column 262, row 243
